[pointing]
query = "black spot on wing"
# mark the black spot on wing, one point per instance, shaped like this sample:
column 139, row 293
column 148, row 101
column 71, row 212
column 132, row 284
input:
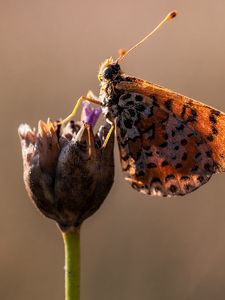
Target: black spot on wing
column 212, row 119
column 140, row 107
column 195, row 168
column 151, row 165
column 141, row 173
column 198, row 154
column 164, row 163
column 168, row 104
column 156, row 180
column 184, row 156
column 163, row 145
column 180, row 127
column 214, row 131
column 139, row 98
column 169, row 177
column 128, row 123
column 185, row 177
column 178, row 166
column 183, row 112
column 210, row 138
column 193, row 116
column 126, row 96
column 173, row 188
column 183, row 142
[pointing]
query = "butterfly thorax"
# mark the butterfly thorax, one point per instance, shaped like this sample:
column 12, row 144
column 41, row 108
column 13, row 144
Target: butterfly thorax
column 109, row 75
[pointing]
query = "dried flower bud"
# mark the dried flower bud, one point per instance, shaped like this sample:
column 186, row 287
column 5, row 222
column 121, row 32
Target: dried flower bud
column 66, row 173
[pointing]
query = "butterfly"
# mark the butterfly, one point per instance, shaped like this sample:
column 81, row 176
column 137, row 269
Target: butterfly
column 169, row 144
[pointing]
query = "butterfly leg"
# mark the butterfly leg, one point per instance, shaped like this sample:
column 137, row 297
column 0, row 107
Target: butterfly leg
column 90, row 97
column 108, row 134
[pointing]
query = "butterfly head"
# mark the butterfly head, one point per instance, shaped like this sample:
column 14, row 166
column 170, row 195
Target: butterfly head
column 109, row 70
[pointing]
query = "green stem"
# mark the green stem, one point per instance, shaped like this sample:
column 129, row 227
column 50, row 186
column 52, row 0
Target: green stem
column 72, row 265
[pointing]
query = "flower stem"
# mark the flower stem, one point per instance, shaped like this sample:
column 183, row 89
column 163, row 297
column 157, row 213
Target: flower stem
column 72, row 265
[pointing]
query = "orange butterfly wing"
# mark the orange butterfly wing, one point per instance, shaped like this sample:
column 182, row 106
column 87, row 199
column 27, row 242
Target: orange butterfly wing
column 177, row 147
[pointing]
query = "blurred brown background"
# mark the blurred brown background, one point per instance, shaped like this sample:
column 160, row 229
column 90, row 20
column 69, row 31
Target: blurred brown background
column 134, row 247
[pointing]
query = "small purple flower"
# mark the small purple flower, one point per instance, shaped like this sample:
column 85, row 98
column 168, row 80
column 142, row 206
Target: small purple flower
column 90, row 115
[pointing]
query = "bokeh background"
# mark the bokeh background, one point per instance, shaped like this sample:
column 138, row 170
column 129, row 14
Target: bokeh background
column 134, row 247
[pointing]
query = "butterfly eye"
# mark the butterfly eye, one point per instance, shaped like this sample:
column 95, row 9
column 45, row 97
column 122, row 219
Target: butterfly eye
column 112, row 71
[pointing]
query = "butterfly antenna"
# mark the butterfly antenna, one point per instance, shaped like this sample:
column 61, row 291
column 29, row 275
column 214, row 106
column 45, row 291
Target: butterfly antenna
column 171, row 15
